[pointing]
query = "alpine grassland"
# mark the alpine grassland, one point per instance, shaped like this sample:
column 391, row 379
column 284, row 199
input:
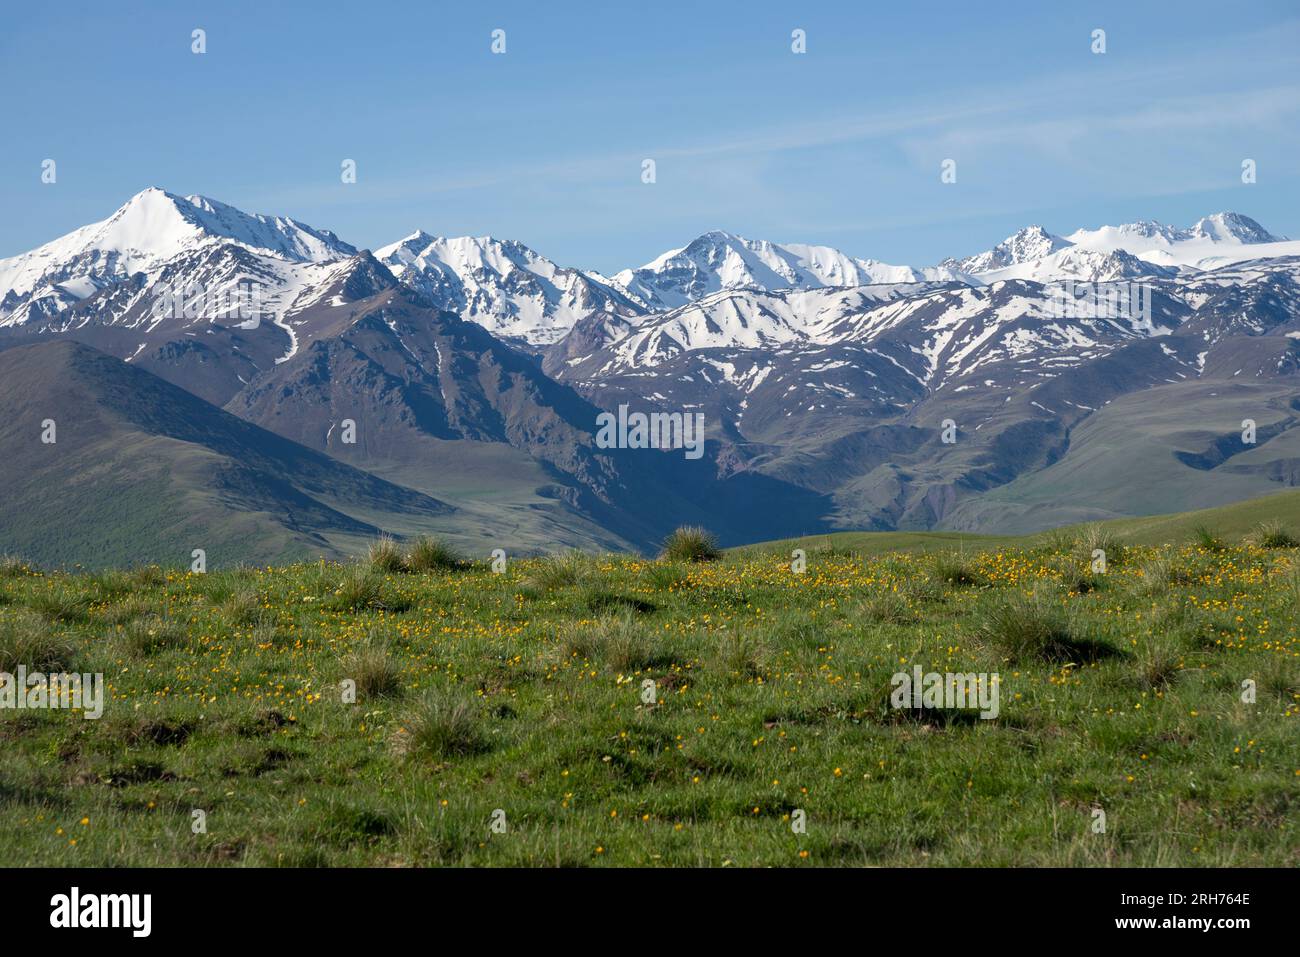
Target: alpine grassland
column 418, row 708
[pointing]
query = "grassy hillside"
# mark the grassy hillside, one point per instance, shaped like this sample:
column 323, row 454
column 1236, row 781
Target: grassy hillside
column 587, row 711
column 1232, row 523
column 1179, row 448
column 142, row 471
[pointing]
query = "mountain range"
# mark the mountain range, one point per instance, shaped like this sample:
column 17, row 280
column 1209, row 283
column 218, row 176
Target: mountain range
column 266, row 387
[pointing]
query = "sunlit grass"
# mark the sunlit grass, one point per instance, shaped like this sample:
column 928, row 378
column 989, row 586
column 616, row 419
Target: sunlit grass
column 623, row 711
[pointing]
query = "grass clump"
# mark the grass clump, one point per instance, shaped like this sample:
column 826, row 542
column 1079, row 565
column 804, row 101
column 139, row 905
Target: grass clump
column 441, row 725
column 1082, row 581
column 616, row 640
column 374, row 671
column 152, row 634
column 148, row 576
column 564, row 570
column 693, row 544
column 740, row 655
column 888, row 607
column 1032, row 628
column 671, row 576
column 428, row 554
column 1164, row 572
column 625, row 646
column 26, row 639
column 359, row 588
column 384, row 555
column 1095, row 538
column 1205, row 538
column 1273, row 534
column 61, row 605
column 1158, row 662
column 424, row 554
column 245, row 607
column 951, row 568
column 11, row 566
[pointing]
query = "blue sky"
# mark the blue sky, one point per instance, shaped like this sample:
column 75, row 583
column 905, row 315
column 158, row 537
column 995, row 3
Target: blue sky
column 544, row 144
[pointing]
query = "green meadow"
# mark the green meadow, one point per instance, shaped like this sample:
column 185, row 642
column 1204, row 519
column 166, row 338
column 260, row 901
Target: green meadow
column 416, row 708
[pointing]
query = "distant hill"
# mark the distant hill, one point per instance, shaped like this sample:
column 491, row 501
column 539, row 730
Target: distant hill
column 1231, row 523
column 142, row 471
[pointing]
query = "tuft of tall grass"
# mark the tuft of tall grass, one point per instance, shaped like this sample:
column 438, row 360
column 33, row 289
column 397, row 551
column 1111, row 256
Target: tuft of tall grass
column 952, row 568
column 11, row 566
column 119, row 613
column 358, row 588
column 559, row 571
column 384, row 555
column 888, row 607
column 442, row 724
column 1273, row 534
column 1033, row 628
column 1205, row 538
column 690, row 543
column 1280, row 675
column 1159, row 660
column 668, row 576
column 152, row 634
column 61, row 605
column 741, row 655
column 428, row 554
column 1166, row 572
column 26, row 639
column 1094, row 538
column 373, row 670
column 245, row 607
column 616, row 640
column 148, row 576
column 625, row 645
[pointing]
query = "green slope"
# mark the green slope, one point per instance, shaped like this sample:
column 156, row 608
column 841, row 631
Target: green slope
column 1229, row 522
column 1151, row 453
column 144, row 472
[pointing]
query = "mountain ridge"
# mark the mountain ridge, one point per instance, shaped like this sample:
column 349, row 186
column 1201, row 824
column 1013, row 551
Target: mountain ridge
column 473, row 369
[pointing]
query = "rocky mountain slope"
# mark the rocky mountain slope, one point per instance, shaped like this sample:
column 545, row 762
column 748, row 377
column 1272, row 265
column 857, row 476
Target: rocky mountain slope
column 837, row 392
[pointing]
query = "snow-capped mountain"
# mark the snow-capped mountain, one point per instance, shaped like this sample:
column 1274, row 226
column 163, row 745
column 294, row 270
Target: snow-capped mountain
column 823, row 378
column 1080, row 264
column 719, row 260
column 1143, row 248
column 1028, row 245
column 937, row 335
column 1231, row 229
column 504, row 286
column 149, row 230
column 933, row 333
column 753, row 319
column 1213, row 241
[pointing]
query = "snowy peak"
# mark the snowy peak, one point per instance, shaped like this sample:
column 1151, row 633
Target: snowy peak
column 152, row 228
column 155, row 225
column 720, row 260
column 361, row 277
column 280, row 235
column 1143, row 248
column 503, row 285
column 1232, row 227
column 1029, row 244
